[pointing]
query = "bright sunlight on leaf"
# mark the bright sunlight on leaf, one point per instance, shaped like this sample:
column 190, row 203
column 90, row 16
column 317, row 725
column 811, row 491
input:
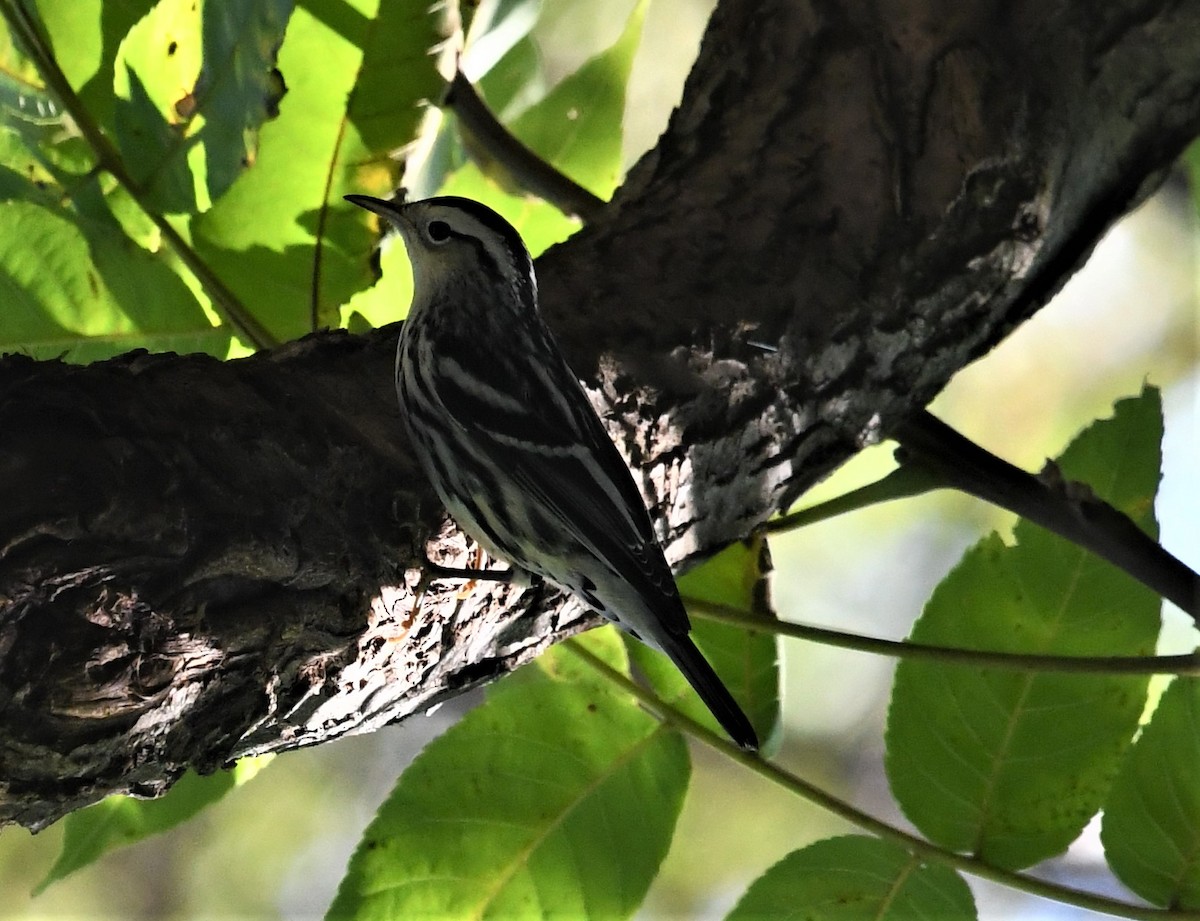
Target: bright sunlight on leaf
column 555, row 798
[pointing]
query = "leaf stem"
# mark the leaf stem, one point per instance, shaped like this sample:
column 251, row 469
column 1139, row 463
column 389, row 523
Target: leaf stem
column 1182, row 664
column 904, row 482
column 24, row 26
column 844, row 810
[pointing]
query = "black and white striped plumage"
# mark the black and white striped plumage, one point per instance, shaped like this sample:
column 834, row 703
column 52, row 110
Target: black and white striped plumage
column 511, row 443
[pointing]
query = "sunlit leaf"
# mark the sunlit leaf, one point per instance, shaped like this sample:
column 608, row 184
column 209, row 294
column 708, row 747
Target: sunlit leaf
column 155, row 73
column 237, row 89
column 282, row 237
column 86, row 36
column 79, row 289
column 555, row 798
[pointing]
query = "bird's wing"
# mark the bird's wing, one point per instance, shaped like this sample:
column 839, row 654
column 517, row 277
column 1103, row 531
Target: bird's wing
column 554, row 446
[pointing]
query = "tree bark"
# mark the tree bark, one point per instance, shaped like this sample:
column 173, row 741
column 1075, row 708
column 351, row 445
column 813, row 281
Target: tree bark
column 203, row 560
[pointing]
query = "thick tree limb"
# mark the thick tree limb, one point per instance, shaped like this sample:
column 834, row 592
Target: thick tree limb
column 202, row 560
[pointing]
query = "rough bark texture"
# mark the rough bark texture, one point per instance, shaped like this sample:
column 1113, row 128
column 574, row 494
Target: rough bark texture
column 200, row 560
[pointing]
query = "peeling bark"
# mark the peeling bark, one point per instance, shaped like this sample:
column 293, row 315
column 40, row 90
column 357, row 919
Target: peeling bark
column 201, row 560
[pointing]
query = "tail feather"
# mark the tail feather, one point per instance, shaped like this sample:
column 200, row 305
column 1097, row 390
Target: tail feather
column 700, row 675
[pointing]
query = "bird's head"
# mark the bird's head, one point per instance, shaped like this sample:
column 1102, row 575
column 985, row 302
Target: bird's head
column 459, row 249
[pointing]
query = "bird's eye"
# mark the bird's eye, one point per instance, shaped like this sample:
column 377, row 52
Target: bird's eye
column 438, row 231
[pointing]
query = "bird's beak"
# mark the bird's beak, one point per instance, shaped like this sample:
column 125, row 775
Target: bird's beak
column 386, row 209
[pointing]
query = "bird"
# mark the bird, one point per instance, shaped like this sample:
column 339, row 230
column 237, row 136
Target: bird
column 504, row 431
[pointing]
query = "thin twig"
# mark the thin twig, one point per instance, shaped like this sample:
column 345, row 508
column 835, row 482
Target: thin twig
column 1183, row 664
column 530, row 170
column 918, row 846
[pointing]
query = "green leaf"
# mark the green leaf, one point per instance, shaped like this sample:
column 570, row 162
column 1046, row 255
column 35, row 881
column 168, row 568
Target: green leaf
column 238, row 88
column 1191, row 164
column 122, row 820
column 852, row 878
column 1151, row 830
column 39, row 140
column 156, row 68
column 22, row 172
column 494, row 31
column 86, row 36
column 746, row 660
column 1011, row 765
column 281, row 237
column 578, row 125
column 194, row 81
column 389, row 299
column 516, row 83
column 577, row 128
column 80, row 289
column 555, row 798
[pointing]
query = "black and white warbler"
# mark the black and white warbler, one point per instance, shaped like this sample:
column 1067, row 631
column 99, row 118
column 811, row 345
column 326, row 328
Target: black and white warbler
column 512, row 445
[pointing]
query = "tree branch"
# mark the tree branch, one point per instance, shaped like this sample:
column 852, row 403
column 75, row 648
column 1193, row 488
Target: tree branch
column 200, row 560
column 1067, row 508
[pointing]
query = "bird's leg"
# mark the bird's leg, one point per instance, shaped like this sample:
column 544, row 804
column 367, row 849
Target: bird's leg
column 475, row 573
column 438, row 571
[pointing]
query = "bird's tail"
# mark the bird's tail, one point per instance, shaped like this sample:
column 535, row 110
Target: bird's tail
column 700, row 675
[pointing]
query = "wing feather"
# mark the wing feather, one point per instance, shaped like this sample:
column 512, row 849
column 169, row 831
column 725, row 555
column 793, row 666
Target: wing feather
column 555, row 448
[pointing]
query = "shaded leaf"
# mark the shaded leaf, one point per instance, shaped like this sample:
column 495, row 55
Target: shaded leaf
column 1191, row 163
column 577, row 128
column 118, row 821
column 237, row 90
column 86, row 36
column 156, row 68
column 1151, row 830
column 78, row 289
column 555, row 798
column 40, row 139
column 516, row 83
column 494, row 30
column 1011, row 765
column 746, row 660
column 852, row 878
